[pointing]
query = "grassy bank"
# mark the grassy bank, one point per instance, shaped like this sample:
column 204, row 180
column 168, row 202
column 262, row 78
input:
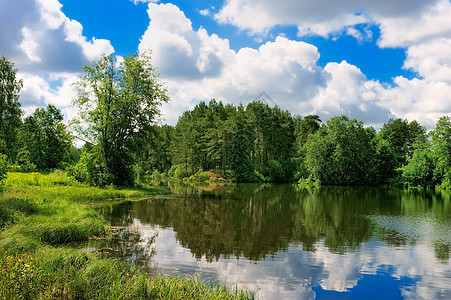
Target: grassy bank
column 41, row 213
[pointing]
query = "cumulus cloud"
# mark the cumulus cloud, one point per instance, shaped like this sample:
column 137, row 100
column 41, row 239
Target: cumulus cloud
column 48, row 40
column 200, row 66
column 404, row 31
column 431, row 60
column 48, row 48
column 178, row 51
column 313, row 17
column 348, row 92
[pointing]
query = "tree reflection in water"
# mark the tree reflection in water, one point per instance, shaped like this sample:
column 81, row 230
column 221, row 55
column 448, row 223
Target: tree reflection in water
column 258, row 221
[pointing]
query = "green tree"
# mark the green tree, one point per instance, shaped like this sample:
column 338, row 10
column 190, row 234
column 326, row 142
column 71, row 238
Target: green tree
column 419, row 172
column 156, row 154
column 341, row 153
column 303, row 129
column 402, row 136
column 240, row 161
column 441, row 144
column 44, row 137
column 10, row 112
column 3, row 170
column 118, row 102
column 384, row 164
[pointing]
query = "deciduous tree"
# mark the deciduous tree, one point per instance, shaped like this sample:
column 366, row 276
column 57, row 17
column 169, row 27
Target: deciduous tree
column 118, row 103
column 10, row 111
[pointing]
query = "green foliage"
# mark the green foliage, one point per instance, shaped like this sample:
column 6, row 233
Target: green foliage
column 91, row 169
column 10, row 111
column 70, row 274
column 441, row 143
column 342, row 153
column 156, row 152
column 402, row 136
column 44, row 139
column 119, row 103
column 419, row 172
column 304, row 128
column 273, row 171
column 237, row 139
column 3, row 169
column 180, row 172
column 24, row 161
column 431, row 161
column 240, row 162
column 42, row 212
column 383, row 166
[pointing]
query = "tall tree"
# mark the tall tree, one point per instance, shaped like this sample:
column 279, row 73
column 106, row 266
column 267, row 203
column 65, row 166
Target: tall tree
column 341, row 153
column 10, row 112
column 45, row 138
column 118, row 102
column 305, row 127
column 402, row 136
column 419, row 172
column 240, row 162
column 441, row 144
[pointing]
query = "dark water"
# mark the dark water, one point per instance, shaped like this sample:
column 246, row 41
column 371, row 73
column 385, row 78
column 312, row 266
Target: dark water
column 288, row 242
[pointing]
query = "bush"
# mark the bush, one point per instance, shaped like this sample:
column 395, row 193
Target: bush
column 273, row 171
column 91, row 169
column 180, row 172
column 3, row 170
column 24, row 162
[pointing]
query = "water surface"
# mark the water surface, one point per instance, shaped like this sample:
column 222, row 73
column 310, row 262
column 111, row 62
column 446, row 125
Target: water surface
column 287, row 242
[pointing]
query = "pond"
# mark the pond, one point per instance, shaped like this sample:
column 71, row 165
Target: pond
column 283, row 241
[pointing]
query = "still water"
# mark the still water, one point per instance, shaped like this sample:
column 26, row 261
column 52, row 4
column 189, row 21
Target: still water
column 289, row 242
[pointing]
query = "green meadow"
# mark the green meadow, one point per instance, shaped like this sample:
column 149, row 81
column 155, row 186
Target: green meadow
column 41, row 214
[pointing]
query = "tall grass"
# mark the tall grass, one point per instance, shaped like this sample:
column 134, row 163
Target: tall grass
column 40, row 213
column 64, row 273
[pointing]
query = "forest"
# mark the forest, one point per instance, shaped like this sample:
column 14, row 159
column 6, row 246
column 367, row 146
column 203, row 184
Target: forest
column 118, row 105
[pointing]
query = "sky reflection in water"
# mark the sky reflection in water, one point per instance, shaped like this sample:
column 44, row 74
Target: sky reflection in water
column 284, row 242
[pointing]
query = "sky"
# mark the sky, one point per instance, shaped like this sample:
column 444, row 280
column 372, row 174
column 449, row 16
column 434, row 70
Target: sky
column 370, row 60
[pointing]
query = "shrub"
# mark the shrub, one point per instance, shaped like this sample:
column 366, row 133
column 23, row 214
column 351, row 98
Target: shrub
column 91, row 169
column 3, row 169
column 180, row 172
column 273, row 170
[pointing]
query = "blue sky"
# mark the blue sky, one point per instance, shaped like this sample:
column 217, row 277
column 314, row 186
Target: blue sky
column 372, row 60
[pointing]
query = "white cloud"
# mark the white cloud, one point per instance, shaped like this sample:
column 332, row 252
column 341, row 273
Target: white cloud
column 35, row 89
column 50, row 41
column 417, row 99
column 431, row 60
column 320, row 17
column 200, row 66
column 197, row 65
column 66, row 92
column 205, row 12
column 431, row 23
column 48, row 48
column 348, row 92
column 143, row 1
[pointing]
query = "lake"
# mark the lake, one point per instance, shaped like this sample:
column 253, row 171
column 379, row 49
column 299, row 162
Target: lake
column 283, row 241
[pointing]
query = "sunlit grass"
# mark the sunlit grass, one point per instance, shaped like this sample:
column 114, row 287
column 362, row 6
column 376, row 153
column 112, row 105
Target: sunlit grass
column 64, row 273
column 40, row 213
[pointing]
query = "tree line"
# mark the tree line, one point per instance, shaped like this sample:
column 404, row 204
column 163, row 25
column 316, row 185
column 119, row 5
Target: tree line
column 118, row 104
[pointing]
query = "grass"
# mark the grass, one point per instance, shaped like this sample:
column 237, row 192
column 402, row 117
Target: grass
column 41, row 213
